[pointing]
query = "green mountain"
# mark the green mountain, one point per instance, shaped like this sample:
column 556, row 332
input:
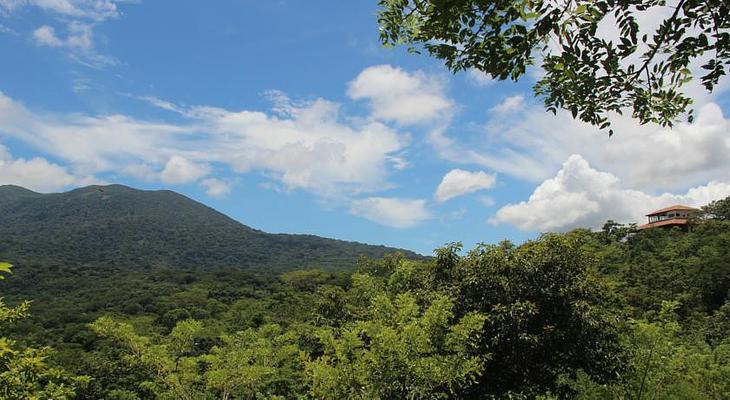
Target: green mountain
column 123, row 227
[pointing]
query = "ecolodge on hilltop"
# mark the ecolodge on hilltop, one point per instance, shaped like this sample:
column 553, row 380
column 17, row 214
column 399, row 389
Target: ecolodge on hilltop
column 677, row 215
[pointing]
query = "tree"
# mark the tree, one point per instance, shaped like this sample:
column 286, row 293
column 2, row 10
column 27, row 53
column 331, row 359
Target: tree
column 24, row 372
column 526, row 315
column 718, row 209
column 401, row 351
column 546, row 313
column 173, row 360
column 249, row 362
column 613, row 231
column 665, row 363
column 586, row 71
column 244, row 365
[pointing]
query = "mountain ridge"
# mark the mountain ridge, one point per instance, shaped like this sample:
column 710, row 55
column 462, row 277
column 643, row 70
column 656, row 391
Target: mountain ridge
column 123, row 226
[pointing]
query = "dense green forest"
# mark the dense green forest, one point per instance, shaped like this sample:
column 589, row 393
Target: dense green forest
column 613, row 314
column 118, row 226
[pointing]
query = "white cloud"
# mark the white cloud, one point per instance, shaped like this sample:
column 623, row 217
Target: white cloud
column 165, row 105
column 581, row 196
column 458, row 182
column 510, row 104
column 479, row 78
column 487, row 201
column 36, row 174
column 181, row 170
column 46, row 36
column 79, row 37
column 92, row 144
column 305, row 146
column 397, row 95
column 529, row 143
column 79, row 41
column 216, row 187
column 80, row 17
column 497, row 157
column 141, row 171
column 96, row 10
column 302, row 146
column 394, row 212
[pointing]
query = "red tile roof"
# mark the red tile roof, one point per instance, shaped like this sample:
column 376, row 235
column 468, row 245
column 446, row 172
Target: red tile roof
column 665, row 222
column 677, row 207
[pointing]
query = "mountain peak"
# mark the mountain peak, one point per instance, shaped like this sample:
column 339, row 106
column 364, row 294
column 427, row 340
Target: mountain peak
column 111, row 187
column 15, row 189
column 12, row 192
column 121, row 226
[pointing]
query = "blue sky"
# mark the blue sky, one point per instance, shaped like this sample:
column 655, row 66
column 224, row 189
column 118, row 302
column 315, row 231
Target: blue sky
column 289, row 117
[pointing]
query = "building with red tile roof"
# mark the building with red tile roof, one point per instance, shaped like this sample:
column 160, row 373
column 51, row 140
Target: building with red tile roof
column 676, row 215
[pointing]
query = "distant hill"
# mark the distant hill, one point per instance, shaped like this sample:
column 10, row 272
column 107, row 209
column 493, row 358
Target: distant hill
column 119, row 226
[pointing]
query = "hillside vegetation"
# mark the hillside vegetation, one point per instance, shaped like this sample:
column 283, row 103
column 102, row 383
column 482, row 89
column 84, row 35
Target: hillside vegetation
column 123, row 227
column 612, row 314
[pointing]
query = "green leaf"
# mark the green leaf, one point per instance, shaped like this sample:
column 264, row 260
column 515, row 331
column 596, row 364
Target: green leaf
column 5, row 267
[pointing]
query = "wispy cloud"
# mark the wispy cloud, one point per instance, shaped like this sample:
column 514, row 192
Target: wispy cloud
column 394, row 212
column 510, row 104
column 71, row 26
column 301, row 146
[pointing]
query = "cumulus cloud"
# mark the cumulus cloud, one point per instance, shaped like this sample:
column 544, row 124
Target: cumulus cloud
column 36, row 174
column 404, row 97
column 393, row 212
column 302, row 146
column 528, row 143
column 181, row 170
column 458, row 182
column 581, row 196
column 216, row 187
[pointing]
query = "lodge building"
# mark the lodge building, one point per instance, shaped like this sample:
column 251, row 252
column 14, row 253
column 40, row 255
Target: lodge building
column 677, row 215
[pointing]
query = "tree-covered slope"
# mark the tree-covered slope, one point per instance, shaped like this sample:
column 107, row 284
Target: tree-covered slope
column 120, row 226
column 614, row 314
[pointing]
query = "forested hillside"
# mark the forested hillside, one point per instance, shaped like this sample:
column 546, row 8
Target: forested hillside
column 614, row 314
column 118, row 226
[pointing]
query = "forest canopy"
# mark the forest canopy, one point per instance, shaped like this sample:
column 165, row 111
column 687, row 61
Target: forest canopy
column 607, row 314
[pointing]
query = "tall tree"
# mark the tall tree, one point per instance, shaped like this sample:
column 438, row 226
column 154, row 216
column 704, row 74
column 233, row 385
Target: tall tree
column 586, row 70
column 547, row 313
